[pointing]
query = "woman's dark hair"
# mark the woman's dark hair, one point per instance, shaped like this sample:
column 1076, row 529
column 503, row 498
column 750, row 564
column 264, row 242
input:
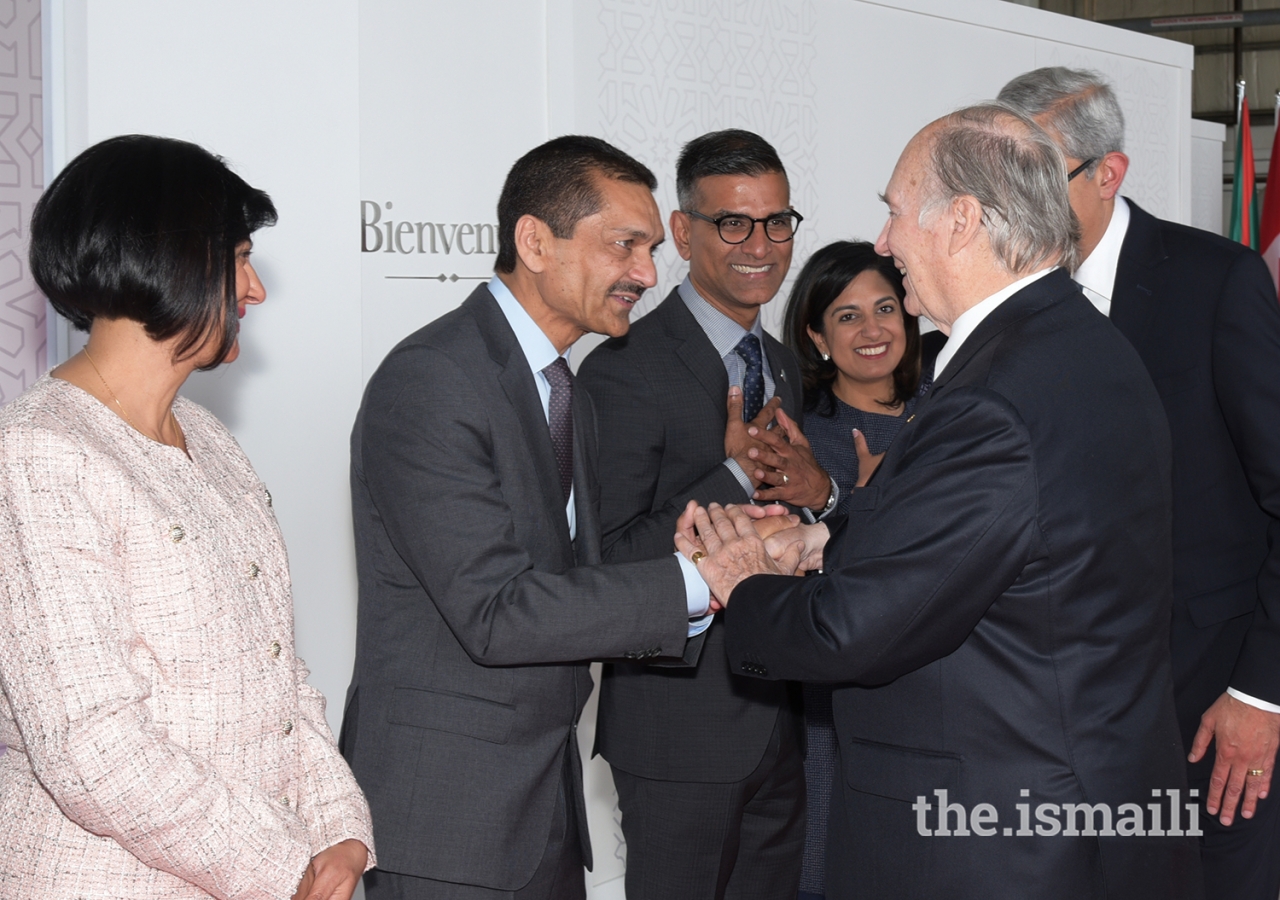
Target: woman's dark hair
column 146, row 228
column 824, row 277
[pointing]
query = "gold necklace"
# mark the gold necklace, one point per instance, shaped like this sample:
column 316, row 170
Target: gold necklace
column 158, row 438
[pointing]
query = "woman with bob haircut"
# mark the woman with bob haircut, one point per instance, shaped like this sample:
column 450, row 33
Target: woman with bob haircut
column 159, row 738
column 860, row 356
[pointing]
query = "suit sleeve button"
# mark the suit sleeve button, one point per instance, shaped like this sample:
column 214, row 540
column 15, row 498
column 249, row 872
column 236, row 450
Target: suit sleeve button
column 287, row 727
column 274, row 649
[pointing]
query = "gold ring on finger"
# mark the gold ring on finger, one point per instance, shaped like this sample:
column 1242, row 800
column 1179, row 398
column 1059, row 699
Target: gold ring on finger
column 1257, row 772
column 785, row 479
column 697, row 557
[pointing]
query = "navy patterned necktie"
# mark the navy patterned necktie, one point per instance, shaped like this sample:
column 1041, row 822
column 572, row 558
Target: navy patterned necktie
column 753, row 381
column 560, row 420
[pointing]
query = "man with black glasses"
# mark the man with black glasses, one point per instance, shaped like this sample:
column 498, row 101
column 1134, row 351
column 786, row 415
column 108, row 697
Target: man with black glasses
column 708, row 765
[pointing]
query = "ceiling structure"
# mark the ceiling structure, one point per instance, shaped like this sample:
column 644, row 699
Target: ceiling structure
column 1251, row 53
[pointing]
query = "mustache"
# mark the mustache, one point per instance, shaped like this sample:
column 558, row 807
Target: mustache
column 626, row 287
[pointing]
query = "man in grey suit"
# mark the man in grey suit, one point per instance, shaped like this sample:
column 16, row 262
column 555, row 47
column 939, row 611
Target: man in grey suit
column 482, row 596
column 708, row 764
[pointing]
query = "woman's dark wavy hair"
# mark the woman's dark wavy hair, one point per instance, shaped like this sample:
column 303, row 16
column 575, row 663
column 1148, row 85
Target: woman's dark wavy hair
column 824, row 277
column 146, row 228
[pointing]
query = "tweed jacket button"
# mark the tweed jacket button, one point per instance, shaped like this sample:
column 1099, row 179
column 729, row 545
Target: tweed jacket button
column 274, row 649
column 253, row 570
column 177, row 533
column 287, row 727
column 268, row 493
column 284, row 801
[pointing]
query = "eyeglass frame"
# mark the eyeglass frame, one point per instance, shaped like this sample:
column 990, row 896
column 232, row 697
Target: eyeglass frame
column 1080, row 168
column 752, row 230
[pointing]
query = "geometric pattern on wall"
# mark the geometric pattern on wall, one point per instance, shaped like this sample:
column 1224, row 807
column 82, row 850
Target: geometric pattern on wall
column 22, row 307
column 1149, row 97
column 674, row 69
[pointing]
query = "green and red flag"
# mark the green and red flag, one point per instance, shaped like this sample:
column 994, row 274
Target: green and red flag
column 1244, row 201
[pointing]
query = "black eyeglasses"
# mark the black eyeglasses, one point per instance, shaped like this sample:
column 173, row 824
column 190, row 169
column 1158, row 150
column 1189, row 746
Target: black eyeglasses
column 1080, row 168
column 736, row 228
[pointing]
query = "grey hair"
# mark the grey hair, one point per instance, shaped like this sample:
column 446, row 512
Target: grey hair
column 1016, row 172
column 1076, row 104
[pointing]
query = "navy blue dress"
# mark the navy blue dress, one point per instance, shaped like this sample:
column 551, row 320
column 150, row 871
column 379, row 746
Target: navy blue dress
column 831, row 438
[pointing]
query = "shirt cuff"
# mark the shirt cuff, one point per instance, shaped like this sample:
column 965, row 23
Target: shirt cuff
column 833, row 500
column 697, row 597
column 1254, row 701
column 747, row 487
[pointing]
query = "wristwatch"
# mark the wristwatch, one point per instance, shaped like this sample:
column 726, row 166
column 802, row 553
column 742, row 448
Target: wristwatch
column 832, row 498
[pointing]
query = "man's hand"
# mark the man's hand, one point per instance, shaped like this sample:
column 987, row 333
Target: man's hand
column 334, row 873
column 737, row 439
column 1245, row 739
column 734, row 552
column 771, row 519
column 868, row 462
column 785, row 466
column 768, row 520
column 812, row 538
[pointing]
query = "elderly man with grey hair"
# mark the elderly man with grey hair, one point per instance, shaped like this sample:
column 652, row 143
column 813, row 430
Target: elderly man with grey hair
column 995, row 607
column 1201, row 311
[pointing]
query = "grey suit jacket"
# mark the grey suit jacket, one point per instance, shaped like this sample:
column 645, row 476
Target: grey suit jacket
column 477, row 615
column 660, row 392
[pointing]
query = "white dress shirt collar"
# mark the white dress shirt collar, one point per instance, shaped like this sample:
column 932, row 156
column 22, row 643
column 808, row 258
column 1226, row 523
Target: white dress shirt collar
column 968, row 321
column 1097, row 274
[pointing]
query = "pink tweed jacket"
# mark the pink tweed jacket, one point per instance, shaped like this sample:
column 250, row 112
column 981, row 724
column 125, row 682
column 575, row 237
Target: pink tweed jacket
column 161, row 739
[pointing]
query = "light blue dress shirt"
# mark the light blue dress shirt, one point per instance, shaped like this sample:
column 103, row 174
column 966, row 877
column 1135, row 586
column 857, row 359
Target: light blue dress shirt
column 539, row 353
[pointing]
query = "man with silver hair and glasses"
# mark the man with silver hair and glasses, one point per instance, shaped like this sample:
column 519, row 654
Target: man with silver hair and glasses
column 995, row 608
column 1201, row 311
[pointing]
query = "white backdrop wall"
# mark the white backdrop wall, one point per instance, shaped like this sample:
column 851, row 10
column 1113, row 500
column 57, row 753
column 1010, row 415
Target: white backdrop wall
column 383, row 130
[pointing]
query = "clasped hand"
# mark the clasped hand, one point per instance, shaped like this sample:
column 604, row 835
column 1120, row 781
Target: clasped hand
column 730, row 544
column 775, row 455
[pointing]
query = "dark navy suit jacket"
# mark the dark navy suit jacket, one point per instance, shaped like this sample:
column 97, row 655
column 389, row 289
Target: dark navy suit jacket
column 996, row 611
column 1202, row 313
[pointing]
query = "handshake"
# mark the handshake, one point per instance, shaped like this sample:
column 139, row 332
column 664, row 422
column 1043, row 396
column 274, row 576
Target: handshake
column 731, row 543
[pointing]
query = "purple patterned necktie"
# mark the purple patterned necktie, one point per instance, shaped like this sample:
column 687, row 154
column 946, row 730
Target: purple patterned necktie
column 560, row 420
column 753, row 381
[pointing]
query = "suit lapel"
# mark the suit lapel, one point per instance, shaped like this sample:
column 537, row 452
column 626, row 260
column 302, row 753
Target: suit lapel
column 586, row 544
column 1133, row 299
column 694, row 348
column 517, row 383
column 779, row 361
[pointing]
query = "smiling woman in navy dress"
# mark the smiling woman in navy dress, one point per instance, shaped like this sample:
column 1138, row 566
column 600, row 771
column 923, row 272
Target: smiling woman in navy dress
column 860, row 353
